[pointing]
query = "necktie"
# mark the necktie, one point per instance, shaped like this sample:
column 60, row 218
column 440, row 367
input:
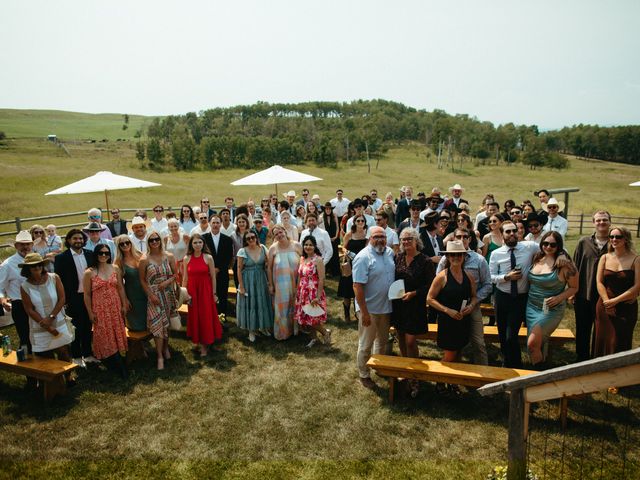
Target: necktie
column 514, row 283
column 435, row 246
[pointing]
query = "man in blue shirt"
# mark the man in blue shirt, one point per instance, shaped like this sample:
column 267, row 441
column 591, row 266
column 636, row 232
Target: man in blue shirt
column 373, row 271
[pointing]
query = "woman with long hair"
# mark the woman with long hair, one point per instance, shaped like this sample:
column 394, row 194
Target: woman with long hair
column 176, row 243
column 285, row 220
column 492, row 240
column 551, row 283
column 354, row 241
column 283, row 257
column 351, row 211
column 157, row 270
column 242, row 226
column 463, row 220
column 106, row 304
column 254, row 310
column 199, row 278
column 618, row 283
column 329, row 222
column 301, row 212
column 312, row 208
column 128, row 261
column 310, row 291
column 187, row 219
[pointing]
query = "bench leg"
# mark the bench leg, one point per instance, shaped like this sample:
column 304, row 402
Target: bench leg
column 135, row 351
column 392, row 388
column 564, row 409
column 51, row 388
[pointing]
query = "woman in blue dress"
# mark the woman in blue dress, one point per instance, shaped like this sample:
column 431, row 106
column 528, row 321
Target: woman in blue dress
column 552, row 280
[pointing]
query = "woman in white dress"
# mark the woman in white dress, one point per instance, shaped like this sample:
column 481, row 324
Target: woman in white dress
column 176, row 243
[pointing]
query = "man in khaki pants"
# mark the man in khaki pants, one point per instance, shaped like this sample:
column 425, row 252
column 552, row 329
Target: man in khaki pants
column 373, row 273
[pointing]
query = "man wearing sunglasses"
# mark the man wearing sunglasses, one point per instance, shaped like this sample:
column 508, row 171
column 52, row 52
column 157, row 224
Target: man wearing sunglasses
column 533, row 225
column 116, row 226
column 508, row 266
column 554, row 221
column 95, row 215
column 476, row 266
column 586, row 257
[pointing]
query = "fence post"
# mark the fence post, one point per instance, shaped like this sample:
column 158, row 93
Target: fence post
column 517, row 441
column 581, row 222
column 638, row 232
column 19, row 224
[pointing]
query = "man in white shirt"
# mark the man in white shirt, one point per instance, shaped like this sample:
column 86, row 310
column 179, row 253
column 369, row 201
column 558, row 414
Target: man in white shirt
column 203, row 225
column 376, row 203
column 508, row 266
column 322, row 237
column 228, row 227
column 554, row 221
column 340, row 205
column 139, row 234
column 434, row 204
column 10, row 283
column 382, row 221
column 159, row 223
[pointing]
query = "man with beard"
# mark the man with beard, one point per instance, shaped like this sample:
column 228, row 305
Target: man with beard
column 373, row 273
column 221, row 249
column 70, row 266
column 508, row 266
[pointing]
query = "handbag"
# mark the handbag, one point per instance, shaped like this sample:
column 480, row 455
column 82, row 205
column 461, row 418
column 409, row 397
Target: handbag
column 345, row 265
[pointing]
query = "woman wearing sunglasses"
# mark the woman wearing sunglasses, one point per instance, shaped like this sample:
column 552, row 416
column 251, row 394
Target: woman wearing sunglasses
column 254, row 312
column 128, row 260
column 157, row 270
column 551, row 283
column 106, row 303
column 618, row 282
column 492, row 240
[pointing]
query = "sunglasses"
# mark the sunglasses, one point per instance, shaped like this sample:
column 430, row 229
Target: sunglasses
column 202, row 218
column 462, row 236
column 378, row 219
column 38, row 232
column 257, row 221
column 360, row 221
column 534, row 225
column 154, row 240
column 516, row 212
column 493, row 221
column 552, row 207
column 511, row 230
column 205, row 201
column 186, row 211
column 103, row 253
column 617, row 237
column 158, row 211
column 251, row 237
column 94, row 216
column 126, row 243
column 445, row 218
column 115, row 212
column 549, row 244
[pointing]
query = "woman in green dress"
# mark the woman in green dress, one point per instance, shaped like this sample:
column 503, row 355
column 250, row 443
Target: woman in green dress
column 128, row 259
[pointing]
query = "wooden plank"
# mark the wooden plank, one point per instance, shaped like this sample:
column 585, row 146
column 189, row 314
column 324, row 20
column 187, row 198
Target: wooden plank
column 559, row 336
column 45, row 369
column 588, row 383
column 136, row 345
column 601, row 364
column 435, row 371
column 517, row 450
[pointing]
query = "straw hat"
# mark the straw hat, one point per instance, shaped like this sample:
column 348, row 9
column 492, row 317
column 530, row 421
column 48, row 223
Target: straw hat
column 553, row 201
column 24, row 237
column 457, row 186
column 454, row 246
column 33, row 259
column 290, row 193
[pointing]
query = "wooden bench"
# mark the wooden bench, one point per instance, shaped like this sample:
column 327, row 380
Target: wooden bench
column 435, row 371
column 136, row 345
column 559, row 337
column 49, row 371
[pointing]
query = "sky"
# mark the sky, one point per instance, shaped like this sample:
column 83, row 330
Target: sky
column 549, row 63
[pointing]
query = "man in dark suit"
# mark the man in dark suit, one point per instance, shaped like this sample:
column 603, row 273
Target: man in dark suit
column 304, row 201
column 70, row 266
column 432, row 246
column 117, row 226
column 402, row 209
column 221, row 248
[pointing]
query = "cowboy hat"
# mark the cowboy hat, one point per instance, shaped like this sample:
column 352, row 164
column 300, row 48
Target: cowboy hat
column 33, row 259
column 94, row 227
column 290, row 193
column 24, row 237
column 534, row 217
column 435, row 196
column 553, row 201
column 328, row 205
column 457, row 186
column 454, row 246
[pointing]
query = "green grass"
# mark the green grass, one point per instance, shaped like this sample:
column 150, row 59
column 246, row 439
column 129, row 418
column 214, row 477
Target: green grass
column 68, row 126
column 270, row 410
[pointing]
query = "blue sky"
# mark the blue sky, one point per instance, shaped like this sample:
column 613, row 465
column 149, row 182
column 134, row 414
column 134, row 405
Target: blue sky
column 547, row 63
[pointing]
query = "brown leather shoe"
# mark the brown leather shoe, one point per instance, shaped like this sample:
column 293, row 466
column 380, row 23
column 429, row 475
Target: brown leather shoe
column 368, row 383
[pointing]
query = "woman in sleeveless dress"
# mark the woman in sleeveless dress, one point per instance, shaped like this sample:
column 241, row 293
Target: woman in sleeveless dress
column 199, row 278
column 282, row 272
column 550, row 285
column 492, row 240
column 128, row 260
column 618, row 282
column 354, row 241
column 176, row 244
column 105, row 301
column 329, row 222
column 157, row 272
column 311, row 291
column 254, row 310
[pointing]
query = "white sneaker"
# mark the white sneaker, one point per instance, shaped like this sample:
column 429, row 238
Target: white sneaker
column 327, row 337
column 312, row 343
column 79, row 361
column 91, row 359
column 252, row 337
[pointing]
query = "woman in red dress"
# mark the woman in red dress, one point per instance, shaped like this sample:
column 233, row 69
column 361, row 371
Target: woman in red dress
column 199, row 277
column 311, row 291
column 106, row 305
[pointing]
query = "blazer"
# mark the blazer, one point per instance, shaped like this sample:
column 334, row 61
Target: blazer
column 65, row 267
column 123, row 227
column 428, row 246
column 223, row 256
column 402, row 211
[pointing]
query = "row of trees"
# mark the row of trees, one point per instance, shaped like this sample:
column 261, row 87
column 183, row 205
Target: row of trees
column 328, row 133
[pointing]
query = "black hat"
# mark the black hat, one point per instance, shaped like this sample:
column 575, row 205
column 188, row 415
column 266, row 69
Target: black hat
column 416, row 203
column 435, row 197
column 534, row 217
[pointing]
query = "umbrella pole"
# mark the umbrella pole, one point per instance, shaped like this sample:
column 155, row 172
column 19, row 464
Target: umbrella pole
column 277, row 191
column 106, row 199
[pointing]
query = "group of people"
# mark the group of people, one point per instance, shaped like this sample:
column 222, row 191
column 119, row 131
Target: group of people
column 117, row 275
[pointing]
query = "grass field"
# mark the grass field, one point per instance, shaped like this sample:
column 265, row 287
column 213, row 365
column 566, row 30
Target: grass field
column 271, row 410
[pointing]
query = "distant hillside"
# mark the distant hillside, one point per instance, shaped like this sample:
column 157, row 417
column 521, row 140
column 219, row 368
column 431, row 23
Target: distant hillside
column 68, row 125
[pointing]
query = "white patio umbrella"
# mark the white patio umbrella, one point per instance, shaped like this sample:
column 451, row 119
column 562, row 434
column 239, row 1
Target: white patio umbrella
column 635, row 184
column 275, row 175
column 103, row 181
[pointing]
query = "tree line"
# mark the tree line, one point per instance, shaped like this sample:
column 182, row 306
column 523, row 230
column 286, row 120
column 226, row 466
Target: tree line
column 329, row 133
